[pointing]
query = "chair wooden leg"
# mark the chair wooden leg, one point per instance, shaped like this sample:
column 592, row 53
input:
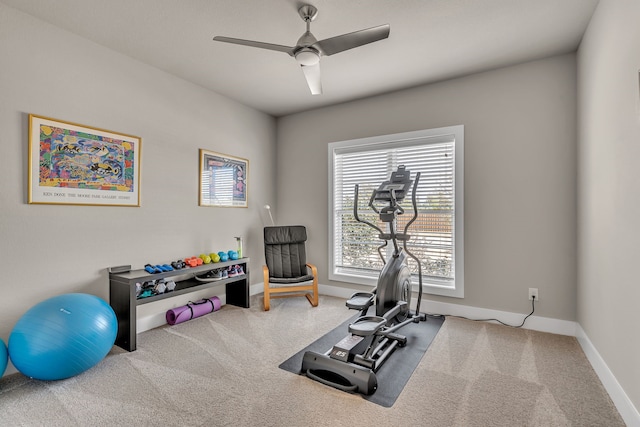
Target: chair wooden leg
column 314, row 299
column 267, row 297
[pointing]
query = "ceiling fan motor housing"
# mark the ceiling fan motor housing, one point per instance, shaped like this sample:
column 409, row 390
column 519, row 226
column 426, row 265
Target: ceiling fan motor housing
column 307, row 55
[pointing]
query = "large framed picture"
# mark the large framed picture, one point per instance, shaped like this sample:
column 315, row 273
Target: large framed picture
column 80, row 165
column 223, row 180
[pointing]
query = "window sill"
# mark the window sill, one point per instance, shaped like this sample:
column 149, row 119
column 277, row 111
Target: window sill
column 428, row 288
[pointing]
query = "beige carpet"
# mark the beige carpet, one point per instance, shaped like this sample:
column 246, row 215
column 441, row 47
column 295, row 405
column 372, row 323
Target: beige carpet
column 222, row 370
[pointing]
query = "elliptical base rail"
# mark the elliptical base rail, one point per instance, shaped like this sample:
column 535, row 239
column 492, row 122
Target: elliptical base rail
column 344, row 376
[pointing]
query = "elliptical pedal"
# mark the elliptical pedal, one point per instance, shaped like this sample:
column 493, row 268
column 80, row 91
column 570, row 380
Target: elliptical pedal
column 360, row 301
column 367, row 325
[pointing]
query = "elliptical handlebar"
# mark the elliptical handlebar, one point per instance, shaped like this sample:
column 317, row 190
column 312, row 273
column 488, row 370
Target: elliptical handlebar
column 406, row 227
column 371, row 200
column 387, row 192
column 413, row 202
column 355, row 210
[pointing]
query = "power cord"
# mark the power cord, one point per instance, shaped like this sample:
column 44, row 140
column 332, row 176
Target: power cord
column 533, row 309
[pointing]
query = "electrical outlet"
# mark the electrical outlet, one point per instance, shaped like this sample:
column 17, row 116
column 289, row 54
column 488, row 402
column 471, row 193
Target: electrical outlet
column 533, row 292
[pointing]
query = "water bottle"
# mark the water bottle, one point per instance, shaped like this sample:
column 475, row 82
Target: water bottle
column 239, row 240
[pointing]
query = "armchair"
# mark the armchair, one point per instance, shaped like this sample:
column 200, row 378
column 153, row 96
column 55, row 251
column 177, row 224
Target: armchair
column 287, row 273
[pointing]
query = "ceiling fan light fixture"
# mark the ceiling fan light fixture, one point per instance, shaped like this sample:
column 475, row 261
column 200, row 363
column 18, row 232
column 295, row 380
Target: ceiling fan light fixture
column 307, row 57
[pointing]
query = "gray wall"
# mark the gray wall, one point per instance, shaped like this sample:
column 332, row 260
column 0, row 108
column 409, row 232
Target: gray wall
column 47, row 250
column 609, row 194
column 520, row 176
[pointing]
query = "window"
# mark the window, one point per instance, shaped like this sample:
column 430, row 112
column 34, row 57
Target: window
column 437, row 235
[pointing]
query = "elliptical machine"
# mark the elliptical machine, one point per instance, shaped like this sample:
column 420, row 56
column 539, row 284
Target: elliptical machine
column 351, row 364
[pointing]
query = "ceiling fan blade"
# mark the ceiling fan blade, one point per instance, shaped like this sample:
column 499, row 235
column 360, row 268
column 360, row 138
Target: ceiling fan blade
column 349, row 41
column 312, row 74
column 261, row 45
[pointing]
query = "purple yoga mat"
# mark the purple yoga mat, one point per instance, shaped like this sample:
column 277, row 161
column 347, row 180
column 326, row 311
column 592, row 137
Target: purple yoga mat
column 193, row 310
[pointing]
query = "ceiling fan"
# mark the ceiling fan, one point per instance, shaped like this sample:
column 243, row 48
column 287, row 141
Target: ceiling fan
column 308, row 50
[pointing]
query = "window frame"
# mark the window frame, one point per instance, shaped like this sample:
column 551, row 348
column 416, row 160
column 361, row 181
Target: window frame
column 392, row 141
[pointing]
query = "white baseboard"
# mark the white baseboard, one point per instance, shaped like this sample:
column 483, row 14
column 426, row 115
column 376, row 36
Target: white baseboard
column 625, row 407
column 256, row 289
column 536, row 323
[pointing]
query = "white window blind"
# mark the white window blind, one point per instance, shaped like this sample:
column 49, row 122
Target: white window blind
column 369, row 162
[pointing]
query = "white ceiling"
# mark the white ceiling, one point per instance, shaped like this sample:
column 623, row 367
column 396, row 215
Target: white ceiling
column 430, row 40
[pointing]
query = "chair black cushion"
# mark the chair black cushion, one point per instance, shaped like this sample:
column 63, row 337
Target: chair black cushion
column 285, row 254
column 285, row 234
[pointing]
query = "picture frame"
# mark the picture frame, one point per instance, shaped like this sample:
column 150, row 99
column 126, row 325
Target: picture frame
column 74, row 164
column 223, row 180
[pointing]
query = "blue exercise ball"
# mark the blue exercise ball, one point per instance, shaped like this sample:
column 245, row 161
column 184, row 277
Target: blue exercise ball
column 63, row 336
column 4, row 357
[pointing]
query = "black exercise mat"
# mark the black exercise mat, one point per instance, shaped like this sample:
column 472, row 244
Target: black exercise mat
column 395, row 372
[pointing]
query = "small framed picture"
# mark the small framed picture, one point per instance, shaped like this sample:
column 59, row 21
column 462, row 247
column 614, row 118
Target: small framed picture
column 223, row 180
column 74, row 164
